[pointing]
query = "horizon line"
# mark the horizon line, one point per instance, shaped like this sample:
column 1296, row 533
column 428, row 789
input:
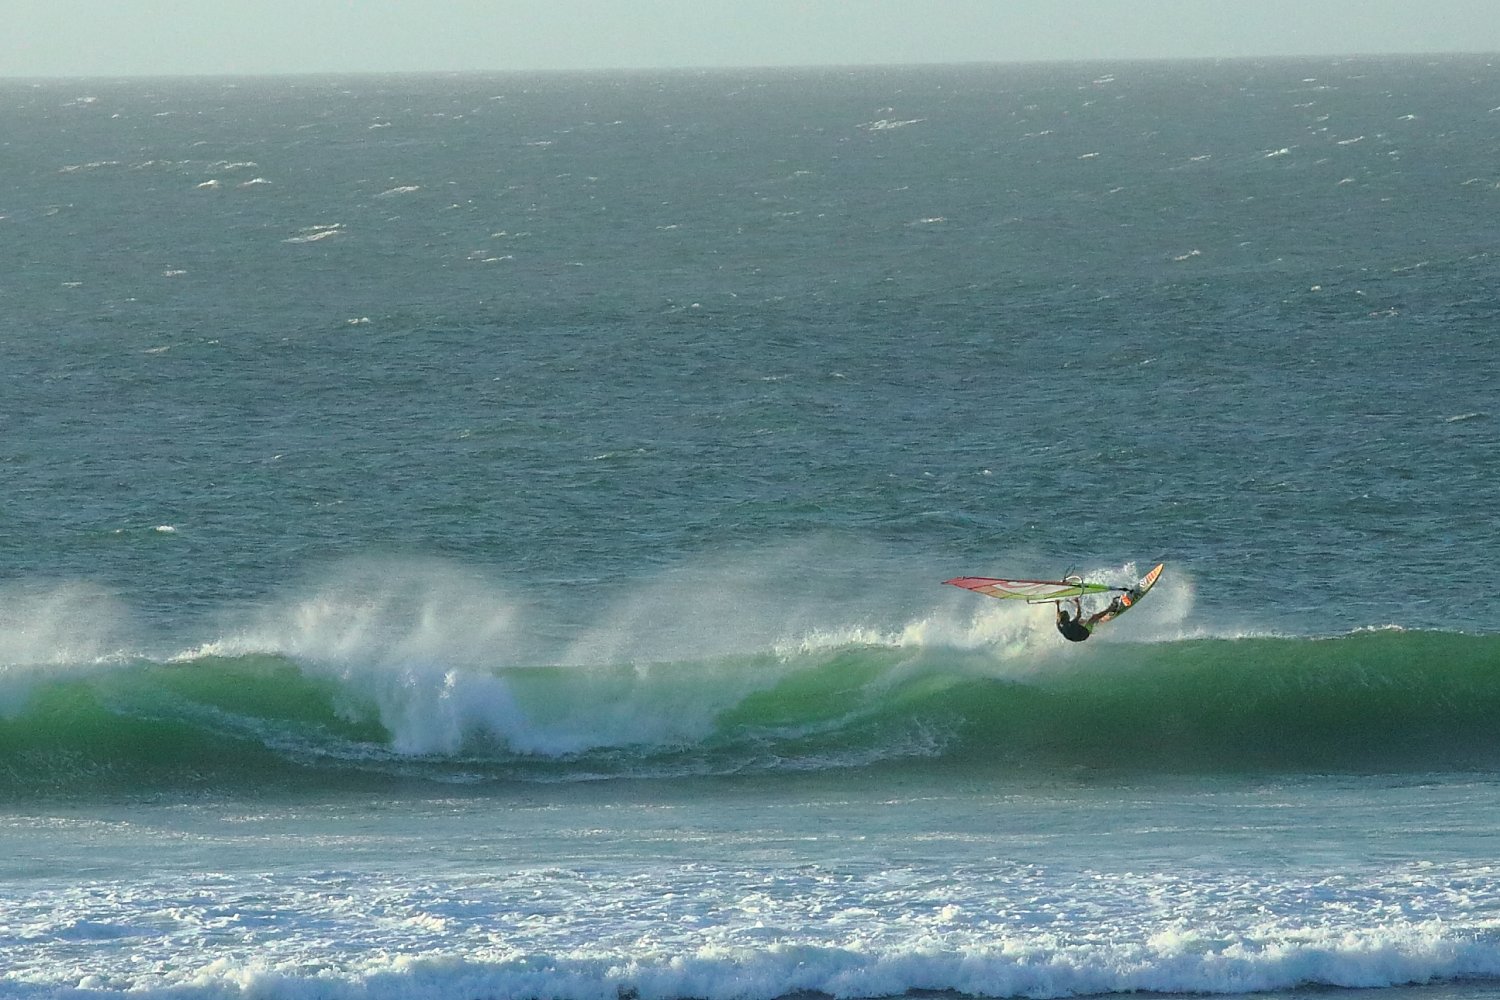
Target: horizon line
column 745, row 67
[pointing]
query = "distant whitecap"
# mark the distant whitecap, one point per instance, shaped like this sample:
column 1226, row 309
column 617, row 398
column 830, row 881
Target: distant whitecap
column 314, row 233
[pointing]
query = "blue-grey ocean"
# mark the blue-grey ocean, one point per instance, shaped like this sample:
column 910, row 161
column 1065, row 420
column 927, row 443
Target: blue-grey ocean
column 482, row 537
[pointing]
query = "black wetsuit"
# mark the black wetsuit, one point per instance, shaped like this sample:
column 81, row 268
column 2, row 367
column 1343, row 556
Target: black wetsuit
column 1072, row 629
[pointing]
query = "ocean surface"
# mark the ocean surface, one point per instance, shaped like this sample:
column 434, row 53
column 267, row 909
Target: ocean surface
column 481, row 537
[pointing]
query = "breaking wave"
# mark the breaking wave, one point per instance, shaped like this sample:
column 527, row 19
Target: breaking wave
column 359, row 705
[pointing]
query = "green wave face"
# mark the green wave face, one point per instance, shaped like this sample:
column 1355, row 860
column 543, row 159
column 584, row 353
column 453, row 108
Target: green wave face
column 1371, row 701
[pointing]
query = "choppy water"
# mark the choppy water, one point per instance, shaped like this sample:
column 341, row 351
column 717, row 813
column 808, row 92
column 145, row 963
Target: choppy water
column 480, row 537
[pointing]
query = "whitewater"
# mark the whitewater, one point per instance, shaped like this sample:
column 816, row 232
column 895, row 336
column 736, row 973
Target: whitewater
column 849, row 888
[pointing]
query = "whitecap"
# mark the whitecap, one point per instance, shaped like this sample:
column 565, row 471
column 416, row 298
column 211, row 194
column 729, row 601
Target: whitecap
column 314, row 233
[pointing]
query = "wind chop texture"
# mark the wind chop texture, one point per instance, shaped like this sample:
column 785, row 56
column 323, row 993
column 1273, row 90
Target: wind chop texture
column 482, row 536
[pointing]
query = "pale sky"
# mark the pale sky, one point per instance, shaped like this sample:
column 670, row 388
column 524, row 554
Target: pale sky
column 52, row 38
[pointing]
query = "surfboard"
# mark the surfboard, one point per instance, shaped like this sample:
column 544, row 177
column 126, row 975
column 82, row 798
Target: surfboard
column 1132, row 597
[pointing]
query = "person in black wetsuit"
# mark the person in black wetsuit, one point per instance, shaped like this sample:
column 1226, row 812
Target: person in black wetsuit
column 1071, row 626
column 1076, row 628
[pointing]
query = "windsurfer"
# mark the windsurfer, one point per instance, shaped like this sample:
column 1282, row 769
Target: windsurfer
column 1074, row 627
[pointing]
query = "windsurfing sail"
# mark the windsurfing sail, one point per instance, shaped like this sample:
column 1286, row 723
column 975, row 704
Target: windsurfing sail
column 1031, row 591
